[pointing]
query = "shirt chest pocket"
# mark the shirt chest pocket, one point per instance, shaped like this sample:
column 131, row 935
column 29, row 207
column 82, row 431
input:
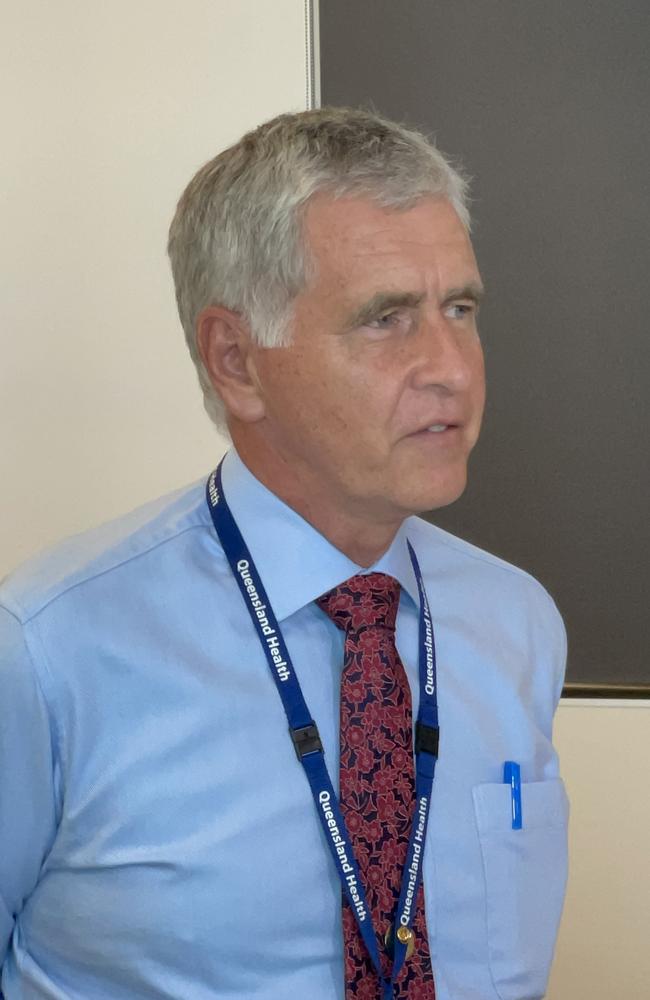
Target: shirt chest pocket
column 525, row 879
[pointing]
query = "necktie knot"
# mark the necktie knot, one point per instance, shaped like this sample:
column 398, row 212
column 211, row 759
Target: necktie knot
column 368, row 600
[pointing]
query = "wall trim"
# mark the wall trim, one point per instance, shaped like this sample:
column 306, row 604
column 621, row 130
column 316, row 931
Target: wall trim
column 312, row 54
column 612, row 691
column 605, row 703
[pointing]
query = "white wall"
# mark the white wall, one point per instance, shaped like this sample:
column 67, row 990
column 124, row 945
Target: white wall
column 603, row 951
column 107, row 111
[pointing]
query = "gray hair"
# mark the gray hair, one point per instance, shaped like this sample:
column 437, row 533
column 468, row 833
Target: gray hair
column 236, row 238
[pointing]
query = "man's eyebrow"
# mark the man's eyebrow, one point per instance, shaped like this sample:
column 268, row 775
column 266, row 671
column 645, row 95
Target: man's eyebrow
column 381, row 302
column 472, row 291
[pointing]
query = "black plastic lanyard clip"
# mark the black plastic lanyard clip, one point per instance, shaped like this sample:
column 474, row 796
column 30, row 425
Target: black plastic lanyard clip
column 306, row 740
column 427, row 739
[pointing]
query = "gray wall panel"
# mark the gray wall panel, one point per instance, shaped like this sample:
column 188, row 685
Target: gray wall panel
column 548, row 106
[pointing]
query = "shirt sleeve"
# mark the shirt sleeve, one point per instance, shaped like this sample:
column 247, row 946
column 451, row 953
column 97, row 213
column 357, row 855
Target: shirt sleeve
column 561, row 657
column 27, row 776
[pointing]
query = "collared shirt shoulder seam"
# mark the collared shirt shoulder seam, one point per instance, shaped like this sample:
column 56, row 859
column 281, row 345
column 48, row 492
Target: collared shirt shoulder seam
column 24, row 614
column 471, row 551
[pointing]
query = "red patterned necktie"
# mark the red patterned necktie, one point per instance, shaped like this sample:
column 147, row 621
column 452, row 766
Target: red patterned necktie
column 377, row 775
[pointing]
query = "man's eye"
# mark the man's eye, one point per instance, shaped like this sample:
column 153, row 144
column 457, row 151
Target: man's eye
column 385, row 321
column 393, row 321
column 459, row 310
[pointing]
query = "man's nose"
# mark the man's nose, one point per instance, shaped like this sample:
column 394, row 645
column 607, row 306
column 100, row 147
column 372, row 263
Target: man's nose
column 444, row 357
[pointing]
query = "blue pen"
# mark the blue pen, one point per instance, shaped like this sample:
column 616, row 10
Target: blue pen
column 512, row 777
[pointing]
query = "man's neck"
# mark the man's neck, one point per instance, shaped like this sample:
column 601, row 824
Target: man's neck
column 361, row 539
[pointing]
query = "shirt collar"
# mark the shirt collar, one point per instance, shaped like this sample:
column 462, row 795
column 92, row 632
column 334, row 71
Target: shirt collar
column 296, row 563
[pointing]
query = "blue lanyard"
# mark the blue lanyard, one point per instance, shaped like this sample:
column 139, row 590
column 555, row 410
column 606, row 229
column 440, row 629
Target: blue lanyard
column 308, row 746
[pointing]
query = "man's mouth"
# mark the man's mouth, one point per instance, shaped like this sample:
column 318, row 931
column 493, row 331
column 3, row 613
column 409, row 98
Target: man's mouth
column 441, row 428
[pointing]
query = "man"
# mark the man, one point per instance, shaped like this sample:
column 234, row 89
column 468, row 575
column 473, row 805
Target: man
column 160, row 837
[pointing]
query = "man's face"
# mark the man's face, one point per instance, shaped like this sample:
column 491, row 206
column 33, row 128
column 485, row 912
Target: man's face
column 378, row 400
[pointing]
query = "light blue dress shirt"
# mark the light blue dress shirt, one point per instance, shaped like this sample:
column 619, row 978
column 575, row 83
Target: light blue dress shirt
column 158, row 838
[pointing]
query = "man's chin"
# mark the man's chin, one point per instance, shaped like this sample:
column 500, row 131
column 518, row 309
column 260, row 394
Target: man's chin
column 430, row 498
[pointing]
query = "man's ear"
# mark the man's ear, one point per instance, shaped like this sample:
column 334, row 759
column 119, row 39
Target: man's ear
column 225, row 344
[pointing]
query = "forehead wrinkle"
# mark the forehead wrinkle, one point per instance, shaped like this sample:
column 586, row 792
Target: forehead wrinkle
column 369, row 241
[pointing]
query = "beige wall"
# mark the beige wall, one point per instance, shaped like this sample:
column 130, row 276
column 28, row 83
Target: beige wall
column 107, row 110
column 603, row 951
